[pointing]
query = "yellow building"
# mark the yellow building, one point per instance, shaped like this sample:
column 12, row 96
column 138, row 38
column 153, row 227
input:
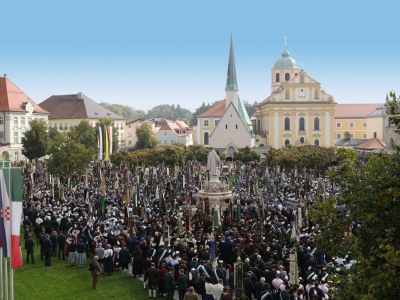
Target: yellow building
column 359, row 121
column 298, row 112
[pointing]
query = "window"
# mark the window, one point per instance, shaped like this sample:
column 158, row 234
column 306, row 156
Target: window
column 338, row 125
column 316, row 142
column 15, row 137
column 287, row 95
column 216, row 122
column 277, row 77
column 302, row 124
column 302, row 140
column 205, row 122
column 259, row 124
column 129, row 142
column 165, row 133
column 2, row 136
column 226, row 126
column 352, row 135
column 287, row 123
column 206, row 138
column 316, row 123
column 15, row 120
column 1, row 120
column 236, row 126
column 338, row 136
column 351, row 125
column 364, row 135
column 287, row 142
column 16, row 155
column 364, row 124
column 29, row 120
column 316, row 95
column 287, row 76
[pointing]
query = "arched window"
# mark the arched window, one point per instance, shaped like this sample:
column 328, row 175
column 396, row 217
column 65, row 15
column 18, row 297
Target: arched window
column 287, row 76
column 287, row 95
column 206, row 138
column 316, row 142
column 287, row 123
column 287, row 143
column 302, row 124
column 316, row 123
column 277, row 77
column 302, row 140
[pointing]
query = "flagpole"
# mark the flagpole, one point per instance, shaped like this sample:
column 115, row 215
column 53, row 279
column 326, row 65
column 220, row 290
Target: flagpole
column 11, row 216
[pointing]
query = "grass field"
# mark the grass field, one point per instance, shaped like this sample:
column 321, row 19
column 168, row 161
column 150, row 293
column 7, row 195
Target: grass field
column 62, row 281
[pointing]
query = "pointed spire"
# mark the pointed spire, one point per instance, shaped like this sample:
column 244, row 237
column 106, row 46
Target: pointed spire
column 231, row 82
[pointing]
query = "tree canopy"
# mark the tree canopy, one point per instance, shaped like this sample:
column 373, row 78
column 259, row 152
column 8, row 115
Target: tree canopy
column 36, row 140
column 146, row 138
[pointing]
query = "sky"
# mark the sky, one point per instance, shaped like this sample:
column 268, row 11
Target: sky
column 152, row 52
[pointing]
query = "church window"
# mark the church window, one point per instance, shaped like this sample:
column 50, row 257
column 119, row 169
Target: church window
column 316, row 123
column 287, row 76
column 302, row 140
column 302, row 124
column 226, row 126
column 277, row 77
column 287, row 123
column 236, row 126
column 287, row 143
column 206, row 138
column 316, row 142
column 287, row 95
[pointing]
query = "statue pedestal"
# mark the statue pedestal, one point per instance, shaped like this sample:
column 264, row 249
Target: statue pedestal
column 214, row 177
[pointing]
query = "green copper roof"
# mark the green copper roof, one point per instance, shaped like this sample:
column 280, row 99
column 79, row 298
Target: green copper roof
column 285, row 62
column 244, row 116
column 231, row 82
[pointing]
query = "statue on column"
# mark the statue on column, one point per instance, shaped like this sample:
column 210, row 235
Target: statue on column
column 213, row 163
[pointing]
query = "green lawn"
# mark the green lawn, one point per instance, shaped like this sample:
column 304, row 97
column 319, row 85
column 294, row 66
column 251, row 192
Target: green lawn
column 62, row 281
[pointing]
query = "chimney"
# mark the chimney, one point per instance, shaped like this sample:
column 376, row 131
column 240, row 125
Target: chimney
column 80, row 95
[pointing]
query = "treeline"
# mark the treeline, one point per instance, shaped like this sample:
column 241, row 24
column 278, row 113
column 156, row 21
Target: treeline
column 166, row 111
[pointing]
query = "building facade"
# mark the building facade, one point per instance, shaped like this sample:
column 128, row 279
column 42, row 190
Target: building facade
column 17, row 110
column 298, row 111
column 67, row 111
column 177, row 132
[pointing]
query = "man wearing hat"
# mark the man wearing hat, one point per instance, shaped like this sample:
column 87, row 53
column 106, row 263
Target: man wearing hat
column 170, row 284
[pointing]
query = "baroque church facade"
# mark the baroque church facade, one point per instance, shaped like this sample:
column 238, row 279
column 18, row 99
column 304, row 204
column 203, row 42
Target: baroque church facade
column 298, row 111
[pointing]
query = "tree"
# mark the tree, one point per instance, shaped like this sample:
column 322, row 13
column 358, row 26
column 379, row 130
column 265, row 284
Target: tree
column 85, row 134
column 394, row 114
column 146, row 138
column 199, row 153
column 370, row 198
column 68, row 157
column 247, row 155
column 36, row 140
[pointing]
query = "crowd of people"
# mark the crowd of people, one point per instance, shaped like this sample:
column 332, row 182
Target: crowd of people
column 133, row 219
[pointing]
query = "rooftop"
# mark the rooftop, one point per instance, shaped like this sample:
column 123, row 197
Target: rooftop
column 352, row 111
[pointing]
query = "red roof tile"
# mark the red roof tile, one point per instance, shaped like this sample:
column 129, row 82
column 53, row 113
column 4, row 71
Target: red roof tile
column 13, row 98
column 215, row 111
column 371, row 144
column 351, row 111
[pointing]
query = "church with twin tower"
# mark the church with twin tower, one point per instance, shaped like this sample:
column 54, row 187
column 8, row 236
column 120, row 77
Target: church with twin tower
column 297, row 112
